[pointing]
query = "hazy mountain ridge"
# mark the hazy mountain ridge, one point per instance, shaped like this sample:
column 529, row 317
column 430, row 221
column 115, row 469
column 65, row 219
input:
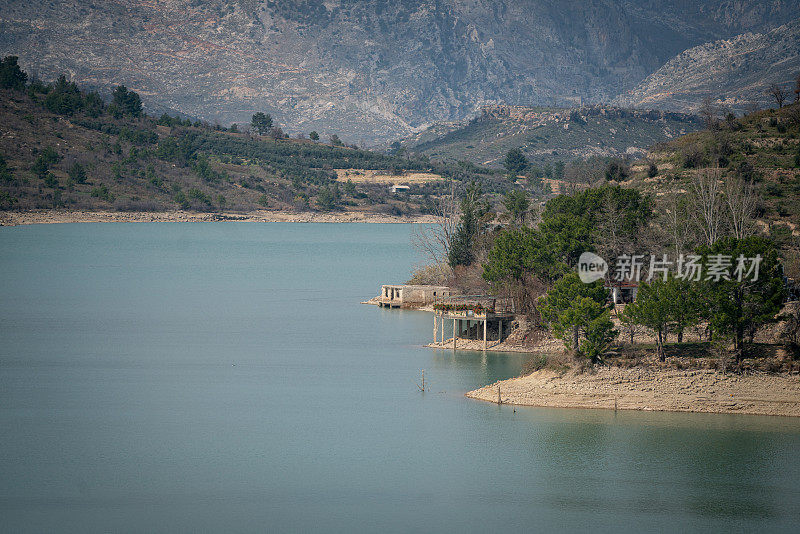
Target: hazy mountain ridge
column 368, row 70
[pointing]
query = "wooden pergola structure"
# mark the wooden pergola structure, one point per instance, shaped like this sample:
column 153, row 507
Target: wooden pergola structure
column 464, row 310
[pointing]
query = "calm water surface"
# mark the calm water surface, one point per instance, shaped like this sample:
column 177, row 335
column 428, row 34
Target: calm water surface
column 224, row 377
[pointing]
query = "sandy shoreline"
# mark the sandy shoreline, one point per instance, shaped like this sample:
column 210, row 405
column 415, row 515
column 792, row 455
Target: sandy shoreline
column 674, row 386
column 15, row 218
column 644, row 388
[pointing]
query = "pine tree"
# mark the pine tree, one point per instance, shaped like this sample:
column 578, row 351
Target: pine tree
column 261, row 122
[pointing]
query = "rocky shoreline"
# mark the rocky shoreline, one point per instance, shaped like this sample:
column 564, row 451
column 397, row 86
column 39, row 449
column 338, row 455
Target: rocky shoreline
column 542, row 347
column 15, row 218
column 650, row 388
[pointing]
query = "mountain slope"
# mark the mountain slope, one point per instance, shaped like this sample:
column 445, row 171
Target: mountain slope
column 761, row 147
column 372, row 70
column 94, row 158
column 732, row 72
column 551, row 134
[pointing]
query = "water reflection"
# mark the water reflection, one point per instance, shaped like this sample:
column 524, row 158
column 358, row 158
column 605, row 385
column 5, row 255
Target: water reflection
column 485, row 367
column 664, row 463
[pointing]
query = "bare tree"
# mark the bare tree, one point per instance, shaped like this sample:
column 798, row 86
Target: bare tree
column 708, row 111
column 779, row 93
column 797, row 89
column 751, row 107
column 276, row 133
column 741, row 200
column 793, row 116
column 677, row 222
column 612, row 240
column 730, row 120
column 706, row 204
column 434, row 240
column 630, row 326
column 579, row 175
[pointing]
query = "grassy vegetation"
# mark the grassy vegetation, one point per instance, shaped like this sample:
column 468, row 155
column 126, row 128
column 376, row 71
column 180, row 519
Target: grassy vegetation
column 64, row 148
column 763, row 147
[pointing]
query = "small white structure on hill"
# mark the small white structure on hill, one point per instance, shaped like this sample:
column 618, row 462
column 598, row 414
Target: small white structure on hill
column 400, row 188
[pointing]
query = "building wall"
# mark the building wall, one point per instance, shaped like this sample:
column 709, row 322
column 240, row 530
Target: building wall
column 424, row 294
column 407, row 294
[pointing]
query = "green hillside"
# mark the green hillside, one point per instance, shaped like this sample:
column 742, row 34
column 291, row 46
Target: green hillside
column 61, row 147
column 763, row 147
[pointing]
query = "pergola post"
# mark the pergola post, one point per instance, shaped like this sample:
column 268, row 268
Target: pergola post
column 455, row 333
column 484, row 334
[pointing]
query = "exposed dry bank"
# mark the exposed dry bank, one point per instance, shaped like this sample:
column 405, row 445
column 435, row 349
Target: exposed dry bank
column 13, row 218
column 648, row 388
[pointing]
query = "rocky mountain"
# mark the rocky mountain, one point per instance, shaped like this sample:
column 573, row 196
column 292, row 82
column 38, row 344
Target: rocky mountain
column 732, row 72
column 368, row 70
column 548, row 135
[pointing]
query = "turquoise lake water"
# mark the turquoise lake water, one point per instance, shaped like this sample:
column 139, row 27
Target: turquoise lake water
column 223, row 377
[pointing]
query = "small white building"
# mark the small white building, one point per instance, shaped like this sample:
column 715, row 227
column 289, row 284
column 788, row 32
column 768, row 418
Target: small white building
column 400, row 188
